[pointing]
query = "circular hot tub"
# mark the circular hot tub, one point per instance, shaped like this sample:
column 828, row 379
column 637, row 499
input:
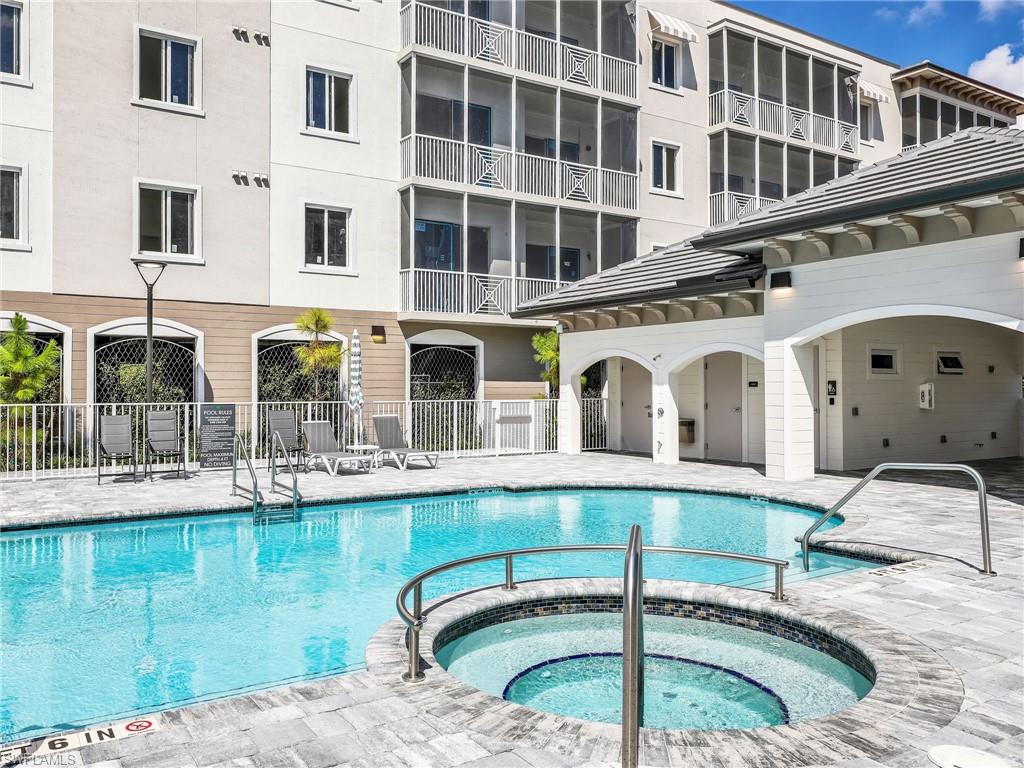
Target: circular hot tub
column 706, row 668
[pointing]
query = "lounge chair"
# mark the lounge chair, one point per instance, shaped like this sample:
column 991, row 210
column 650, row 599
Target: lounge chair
column 114, row 443
column 322, row 447
column 283, row 422
column 164, row 441
column 391, row 441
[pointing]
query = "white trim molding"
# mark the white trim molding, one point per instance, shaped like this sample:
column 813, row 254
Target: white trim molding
column 197, row 221
column 23, row 242
column 196, row 41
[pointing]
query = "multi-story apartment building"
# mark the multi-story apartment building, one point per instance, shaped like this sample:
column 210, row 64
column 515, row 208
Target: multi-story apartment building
column 417, row 168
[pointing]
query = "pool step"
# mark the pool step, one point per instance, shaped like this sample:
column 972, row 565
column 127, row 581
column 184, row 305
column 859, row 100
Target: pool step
column 276, row 513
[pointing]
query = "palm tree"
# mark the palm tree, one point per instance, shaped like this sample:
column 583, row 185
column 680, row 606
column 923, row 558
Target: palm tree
column 318, row 355
column 545, row 348
column 24, row 373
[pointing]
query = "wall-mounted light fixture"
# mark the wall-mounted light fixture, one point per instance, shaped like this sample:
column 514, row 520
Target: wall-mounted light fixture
column 781, row 280
column 378, row 334
column 1020, row 249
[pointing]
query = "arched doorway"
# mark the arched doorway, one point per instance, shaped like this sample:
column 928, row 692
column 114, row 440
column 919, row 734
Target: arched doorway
column 615, row 402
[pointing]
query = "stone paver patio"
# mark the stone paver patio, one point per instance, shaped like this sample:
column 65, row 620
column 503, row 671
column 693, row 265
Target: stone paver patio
column 974, row 622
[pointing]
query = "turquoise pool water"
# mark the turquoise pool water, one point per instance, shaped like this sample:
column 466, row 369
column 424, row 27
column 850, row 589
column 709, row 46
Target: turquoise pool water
column 103, row 621
column 698, row 675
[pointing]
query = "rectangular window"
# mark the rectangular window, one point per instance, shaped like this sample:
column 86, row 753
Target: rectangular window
column 866, row 121
column 10, row 204
column 663, row 166
column 167, row 220
column 983, row 120
column 949, row 363
column 167, row 69
column 663, row 64
column 10, row 39
column 929, row 119
column 326, row 237
column 947, row 123
column 883, row 361
column 327, row 101
column 824, row 168
column 908, row 111
column 966, row 118
column 798, row 170
column 824, row 82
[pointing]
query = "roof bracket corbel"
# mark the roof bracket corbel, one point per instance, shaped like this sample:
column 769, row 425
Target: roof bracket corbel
column 660, row 311
column 684, row 307
column 910, row 226
column 610, row 317
column 743, row 301
column 716, row 306
column 863, row 234
column 568, row 321
column 1014, row 203
column 633, row 313
column 782, row 248
column 961, row 216
column 821, row 242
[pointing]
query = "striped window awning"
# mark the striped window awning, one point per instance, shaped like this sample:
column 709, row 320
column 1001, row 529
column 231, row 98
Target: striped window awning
column 670, row 25
column 871, row 91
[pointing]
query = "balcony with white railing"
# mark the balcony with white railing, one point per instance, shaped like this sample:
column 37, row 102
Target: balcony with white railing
column 467, row 293
column 455, row 33
column 771, row 117
column 445, row 160
column 731, row 205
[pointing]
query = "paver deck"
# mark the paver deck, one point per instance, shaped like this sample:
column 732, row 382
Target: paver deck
column 974, row 622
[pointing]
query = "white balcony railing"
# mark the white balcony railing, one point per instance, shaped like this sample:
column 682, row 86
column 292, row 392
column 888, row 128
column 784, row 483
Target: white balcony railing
column 536, row 175
column 437, row 291
column 798, row 124
column 847, row 137
column 771, row 117
column 730, row 205
column 451, row 161
column 457, row 34
column 823, row 130
column 618, row 189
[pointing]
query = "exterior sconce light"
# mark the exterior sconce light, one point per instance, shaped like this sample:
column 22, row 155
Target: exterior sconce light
column 378, row 334
column 781, row 280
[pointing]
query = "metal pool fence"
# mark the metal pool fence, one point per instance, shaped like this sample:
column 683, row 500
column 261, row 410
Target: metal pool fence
column 59, row 440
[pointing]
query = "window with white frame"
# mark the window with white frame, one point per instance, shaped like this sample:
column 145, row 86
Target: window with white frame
column 327, row 237
column 884, row 361
column 11, row 39
column 167, row 68
column 663, row 63
column 168, row 218
column 949, row 362
column 664, row 166
column 868, row 113
column 328, row 101
column 10, row 204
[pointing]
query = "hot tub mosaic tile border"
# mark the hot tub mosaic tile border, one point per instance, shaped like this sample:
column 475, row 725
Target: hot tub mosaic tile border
column 916, row 691
column 785, row 628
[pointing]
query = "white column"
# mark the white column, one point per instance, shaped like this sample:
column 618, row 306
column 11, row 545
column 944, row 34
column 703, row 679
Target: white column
column 789, row 412
column 613, row 391
column 570, row 417
column 665, row 415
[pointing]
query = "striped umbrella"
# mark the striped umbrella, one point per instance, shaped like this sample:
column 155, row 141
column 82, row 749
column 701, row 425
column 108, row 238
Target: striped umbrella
column 355, row 382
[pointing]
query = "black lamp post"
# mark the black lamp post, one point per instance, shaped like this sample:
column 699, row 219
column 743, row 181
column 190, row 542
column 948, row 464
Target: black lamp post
column 150, row 272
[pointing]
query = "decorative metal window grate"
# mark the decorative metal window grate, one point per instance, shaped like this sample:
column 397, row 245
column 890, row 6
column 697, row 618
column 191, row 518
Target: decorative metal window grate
column 280, row 378
column 121, row 370
column 442, row 373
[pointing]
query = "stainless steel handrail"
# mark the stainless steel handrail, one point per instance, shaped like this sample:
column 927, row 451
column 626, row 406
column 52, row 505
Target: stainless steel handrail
column 254, row 492
column 632, row 648
column 414, row 618
column 277, row 444
column 986, row 546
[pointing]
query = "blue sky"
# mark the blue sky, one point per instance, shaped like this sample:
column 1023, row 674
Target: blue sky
column 954, row 33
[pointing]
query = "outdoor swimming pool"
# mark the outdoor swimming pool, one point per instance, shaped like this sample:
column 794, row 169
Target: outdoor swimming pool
column 107, row 620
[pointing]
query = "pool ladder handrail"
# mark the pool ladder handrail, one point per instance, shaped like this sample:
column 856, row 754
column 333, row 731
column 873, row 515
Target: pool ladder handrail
column 277, row 445
column 632, row 648
column 414, row 619
column 979, row 481
column 254, row 492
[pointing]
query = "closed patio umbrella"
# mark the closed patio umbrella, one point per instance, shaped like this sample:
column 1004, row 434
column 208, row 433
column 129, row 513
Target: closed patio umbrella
column 355, row 383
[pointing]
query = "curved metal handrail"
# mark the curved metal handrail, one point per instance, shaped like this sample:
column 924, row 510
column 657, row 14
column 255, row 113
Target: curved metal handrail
column 254, row 492
column 414, row 618
column 632, row 648
column 986, row 546
column 277, row 444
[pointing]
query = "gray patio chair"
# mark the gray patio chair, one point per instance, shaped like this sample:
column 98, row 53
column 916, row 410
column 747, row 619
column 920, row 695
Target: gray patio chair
column 391, row 441
column 283, row 423
column 164, row 441
column 114, row 443
column 322, row 447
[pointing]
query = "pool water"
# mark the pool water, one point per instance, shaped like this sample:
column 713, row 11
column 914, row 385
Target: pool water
column 108, row 620
column 698, row 675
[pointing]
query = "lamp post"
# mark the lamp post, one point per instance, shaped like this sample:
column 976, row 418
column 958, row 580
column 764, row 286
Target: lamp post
column 150, row 272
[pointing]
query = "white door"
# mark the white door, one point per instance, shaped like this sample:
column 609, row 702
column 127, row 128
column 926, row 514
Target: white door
column 723, row 414
column 637, row 424
column 816, row 404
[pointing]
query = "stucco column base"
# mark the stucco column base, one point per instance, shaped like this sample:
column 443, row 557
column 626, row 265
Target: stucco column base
column 789, row 411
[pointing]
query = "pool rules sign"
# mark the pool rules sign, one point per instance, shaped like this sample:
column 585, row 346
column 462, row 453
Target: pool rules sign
column 216, row 435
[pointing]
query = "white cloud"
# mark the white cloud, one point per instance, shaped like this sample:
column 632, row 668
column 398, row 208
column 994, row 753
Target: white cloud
column 886, row 13
column 1001, row 69
column 989, row 9
column 925, row 12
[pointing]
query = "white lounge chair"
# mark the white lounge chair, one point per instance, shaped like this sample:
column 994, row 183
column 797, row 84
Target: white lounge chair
column 322, row 447
column 391, row 441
